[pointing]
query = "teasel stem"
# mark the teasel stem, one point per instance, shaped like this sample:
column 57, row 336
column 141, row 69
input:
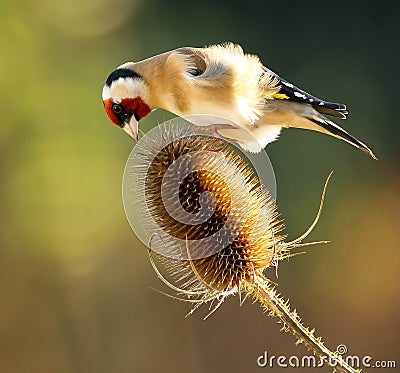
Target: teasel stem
column 263, row 291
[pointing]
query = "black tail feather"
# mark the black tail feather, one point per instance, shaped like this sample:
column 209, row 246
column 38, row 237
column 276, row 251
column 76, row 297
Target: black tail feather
column 339, row 132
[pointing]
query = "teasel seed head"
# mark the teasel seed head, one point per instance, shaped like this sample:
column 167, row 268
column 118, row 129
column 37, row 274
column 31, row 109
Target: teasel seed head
column 239, row 214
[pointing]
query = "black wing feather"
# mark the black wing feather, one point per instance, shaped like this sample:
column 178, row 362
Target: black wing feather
column 294, row 93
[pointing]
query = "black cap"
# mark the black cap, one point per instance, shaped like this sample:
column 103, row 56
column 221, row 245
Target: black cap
column 121, row 73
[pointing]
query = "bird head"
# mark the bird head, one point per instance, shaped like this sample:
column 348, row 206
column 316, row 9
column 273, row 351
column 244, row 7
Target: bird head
column 124, row 97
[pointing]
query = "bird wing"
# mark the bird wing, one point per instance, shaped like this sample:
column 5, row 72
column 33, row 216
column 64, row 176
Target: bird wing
column 290, row 92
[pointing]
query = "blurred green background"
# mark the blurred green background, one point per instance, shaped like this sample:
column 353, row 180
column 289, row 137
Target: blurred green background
column 74, row 280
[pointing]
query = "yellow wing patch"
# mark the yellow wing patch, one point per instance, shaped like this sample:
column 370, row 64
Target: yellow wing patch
column 281, row 96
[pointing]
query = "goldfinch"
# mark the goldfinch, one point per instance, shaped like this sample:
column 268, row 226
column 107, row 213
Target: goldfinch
column 223, row 81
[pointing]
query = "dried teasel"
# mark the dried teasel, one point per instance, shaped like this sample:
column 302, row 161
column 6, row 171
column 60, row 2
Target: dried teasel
column 214, row 228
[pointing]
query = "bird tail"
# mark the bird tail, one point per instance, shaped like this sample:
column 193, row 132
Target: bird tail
column 337, row 131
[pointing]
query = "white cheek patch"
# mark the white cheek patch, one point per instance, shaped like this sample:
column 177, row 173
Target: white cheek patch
column 124, row 88
column 106, row 93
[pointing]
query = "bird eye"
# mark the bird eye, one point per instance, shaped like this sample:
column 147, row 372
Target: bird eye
column 117, row 109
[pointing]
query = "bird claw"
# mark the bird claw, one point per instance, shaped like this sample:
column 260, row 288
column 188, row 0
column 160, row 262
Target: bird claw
column 213, row 130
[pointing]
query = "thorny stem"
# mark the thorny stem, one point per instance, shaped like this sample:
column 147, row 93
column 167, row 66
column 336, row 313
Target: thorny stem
column 265, row 293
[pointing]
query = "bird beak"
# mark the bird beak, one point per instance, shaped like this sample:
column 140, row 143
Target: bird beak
column 131, row 128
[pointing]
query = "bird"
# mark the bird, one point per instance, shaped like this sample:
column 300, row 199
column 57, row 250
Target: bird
column 252, row 102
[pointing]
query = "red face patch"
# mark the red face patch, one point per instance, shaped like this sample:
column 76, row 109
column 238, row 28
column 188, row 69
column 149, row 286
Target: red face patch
column 131, row 106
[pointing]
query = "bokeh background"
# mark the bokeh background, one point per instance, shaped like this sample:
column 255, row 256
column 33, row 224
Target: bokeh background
column 75, row 282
